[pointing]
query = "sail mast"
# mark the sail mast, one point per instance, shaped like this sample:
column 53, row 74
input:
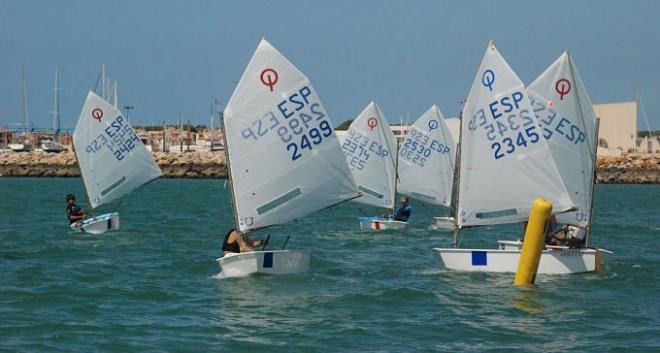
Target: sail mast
column 457, row 178
column 103, row 81
column 640, row 107
column 587, row 238
column 115, row 97
column 24, row 102
column 56, row 105
column 229, row 177
column 396, row 174
column 395, row 162
column 593, row 145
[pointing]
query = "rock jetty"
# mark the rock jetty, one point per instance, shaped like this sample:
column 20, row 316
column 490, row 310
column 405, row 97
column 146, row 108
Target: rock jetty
column 174, row 165
column 629, row 169
column 626, row 169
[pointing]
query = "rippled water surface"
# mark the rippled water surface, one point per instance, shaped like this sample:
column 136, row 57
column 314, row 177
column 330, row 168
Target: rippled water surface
column 154, row 285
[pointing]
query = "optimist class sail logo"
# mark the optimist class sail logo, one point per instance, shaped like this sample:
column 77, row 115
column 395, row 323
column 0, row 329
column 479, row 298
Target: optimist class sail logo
column 372, row 123
column 488, row 79
column 269, row 78
column 97, row 114
column 563, row 87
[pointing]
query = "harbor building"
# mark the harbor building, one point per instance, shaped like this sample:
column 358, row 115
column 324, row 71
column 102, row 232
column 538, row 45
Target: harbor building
column 618, row 126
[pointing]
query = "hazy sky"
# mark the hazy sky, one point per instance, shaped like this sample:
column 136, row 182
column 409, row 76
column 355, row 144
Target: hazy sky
column 173, row 57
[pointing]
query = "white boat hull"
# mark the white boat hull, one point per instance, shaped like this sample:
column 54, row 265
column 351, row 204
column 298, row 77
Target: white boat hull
column 51, row 147
column 443, row 223
column 98, row 225
column 378, row 223
column 20, row 147
column 554, row 260
column 272, row 262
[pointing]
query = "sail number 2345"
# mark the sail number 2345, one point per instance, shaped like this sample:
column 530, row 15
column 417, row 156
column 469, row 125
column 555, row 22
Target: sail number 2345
column 507, row 126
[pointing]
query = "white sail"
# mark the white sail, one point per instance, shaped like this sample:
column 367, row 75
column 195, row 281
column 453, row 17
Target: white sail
column 566, row 117
column 112, row 159
column 284, row 158
column 454, row 125
column 505, row 162
column 370, row 149
column 426, row 160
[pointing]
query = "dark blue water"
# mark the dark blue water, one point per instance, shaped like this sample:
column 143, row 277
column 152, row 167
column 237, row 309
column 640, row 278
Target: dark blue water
column 154, row 285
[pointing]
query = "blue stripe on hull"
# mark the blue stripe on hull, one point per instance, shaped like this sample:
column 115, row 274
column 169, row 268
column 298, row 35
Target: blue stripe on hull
column 479, row 258
column 268, row 260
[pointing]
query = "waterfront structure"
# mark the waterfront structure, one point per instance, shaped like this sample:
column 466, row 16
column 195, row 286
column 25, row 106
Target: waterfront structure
column 618, row 125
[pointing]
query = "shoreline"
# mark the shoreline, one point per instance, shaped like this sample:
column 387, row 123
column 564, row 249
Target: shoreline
column 626, row 169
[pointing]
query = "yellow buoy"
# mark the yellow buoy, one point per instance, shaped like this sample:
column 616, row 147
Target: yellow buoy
column 534, row 242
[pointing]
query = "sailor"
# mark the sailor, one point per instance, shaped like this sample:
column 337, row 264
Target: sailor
column 575, row 236
column 402, row 213
column 236, row 243
column 553, row 233
column 74, row 213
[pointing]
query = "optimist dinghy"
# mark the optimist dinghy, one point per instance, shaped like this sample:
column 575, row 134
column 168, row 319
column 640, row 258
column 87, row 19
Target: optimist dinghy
column 283, row 157
column 370, row 149
column 565, row 114
column 113, row 161
column 426, row 163
column 505, row 162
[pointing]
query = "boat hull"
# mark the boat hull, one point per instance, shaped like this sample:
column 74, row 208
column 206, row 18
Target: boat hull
column 554, row 260
column 51, row 147
column 443, row 223
column 98, row 225
column 20, row 147
column 272, row 262
column 378, row 223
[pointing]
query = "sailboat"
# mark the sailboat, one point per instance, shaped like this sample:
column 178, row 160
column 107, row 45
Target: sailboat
column 23, row 144
column 505, row 163
column 113, row 161
column 426, row 163
column 370, row 148
column 284, row 160
column 564, row 112
column 53, row 145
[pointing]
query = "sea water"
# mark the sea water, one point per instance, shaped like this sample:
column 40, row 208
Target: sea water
column 155, row 285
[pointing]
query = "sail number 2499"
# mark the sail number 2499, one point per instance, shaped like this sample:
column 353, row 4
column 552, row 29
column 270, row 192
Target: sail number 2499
column 314, row 135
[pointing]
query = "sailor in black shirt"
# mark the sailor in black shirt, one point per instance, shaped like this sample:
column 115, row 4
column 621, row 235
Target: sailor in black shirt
column 73, row 212
column 236, row 243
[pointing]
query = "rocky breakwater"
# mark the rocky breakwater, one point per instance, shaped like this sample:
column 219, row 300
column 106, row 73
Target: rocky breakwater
column 35, row 164
column 174, row 165
column 192, row 165
column 629, row 169
column 626, row 169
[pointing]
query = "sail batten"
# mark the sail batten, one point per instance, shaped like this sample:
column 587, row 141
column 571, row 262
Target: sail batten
column 370, row 149
column 505, row 161
column 426, row 159
column 113, row 160
column 283, row 155
column 564, row 113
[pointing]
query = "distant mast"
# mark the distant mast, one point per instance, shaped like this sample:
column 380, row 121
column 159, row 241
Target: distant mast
column 56, row 104
column 26, row 118
column 642, row 110
column 115, row 98
column 211, row 130
column 180, row 132
column 103, row 82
